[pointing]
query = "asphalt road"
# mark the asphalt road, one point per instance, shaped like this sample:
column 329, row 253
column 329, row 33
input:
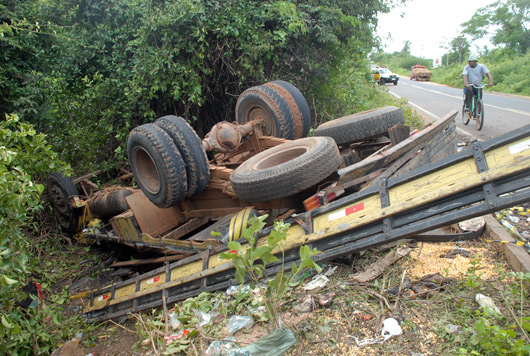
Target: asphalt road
column 502, row 113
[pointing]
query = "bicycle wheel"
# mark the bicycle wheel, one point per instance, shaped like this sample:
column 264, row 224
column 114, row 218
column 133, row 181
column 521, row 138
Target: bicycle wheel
column 480, row 114
column 465, row 115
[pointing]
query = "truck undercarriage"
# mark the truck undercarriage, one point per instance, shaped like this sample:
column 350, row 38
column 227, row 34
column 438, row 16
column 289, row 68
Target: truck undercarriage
column 381, row 189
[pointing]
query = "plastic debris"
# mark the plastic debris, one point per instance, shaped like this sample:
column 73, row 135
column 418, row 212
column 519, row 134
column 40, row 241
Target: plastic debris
column 330, row 271
column 485, row 301
column 181, row 334
column 173, row 320
column 306, row 305
column 452, row 328
column 34, row 296
column 318, row 281
column 204, row 318
column 236, row 323
column 276, row 343
column 231, row 291
column 326, row 299
column 390, row 328
column 221, row 347
column 501, row 217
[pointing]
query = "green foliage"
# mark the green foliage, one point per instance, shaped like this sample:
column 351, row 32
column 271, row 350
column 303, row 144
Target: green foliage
column 399, row 62
column 252, row 259
column 492, row 339
column 24, row 157
column 507, row 20
column 492, row 333
column 95, row 70
column 23, row 45
column 511, row 73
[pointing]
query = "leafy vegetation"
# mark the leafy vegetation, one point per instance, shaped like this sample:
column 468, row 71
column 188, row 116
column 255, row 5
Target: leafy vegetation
column 25, row 156
column 252, row 260
column 495, row 333
column 508, row 22
column 86, row 74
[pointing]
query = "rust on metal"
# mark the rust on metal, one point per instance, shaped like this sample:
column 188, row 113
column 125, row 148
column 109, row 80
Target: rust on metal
column 151, row 219
column 295, row 110
column 383, row 159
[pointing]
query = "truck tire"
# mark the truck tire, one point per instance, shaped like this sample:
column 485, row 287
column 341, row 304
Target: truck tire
column 189, row 145
column 157, row 165
column 286, row 169
column 60, row 188
column 361, row 126
column 298, row 104
column 266, row 103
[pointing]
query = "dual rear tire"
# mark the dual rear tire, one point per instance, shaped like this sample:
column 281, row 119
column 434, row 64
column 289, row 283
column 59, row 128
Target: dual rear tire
column 281, row 107
column 168, row 161
column 167, row 158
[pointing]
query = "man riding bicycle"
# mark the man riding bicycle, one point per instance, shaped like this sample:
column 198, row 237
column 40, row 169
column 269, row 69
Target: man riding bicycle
column 473, row 74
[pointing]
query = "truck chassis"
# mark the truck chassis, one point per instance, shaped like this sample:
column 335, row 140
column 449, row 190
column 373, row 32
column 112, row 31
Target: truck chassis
column 482, row 179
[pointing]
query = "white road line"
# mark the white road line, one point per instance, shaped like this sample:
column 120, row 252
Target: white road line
column 462, row 131
column 460, row 98
column 511, row 110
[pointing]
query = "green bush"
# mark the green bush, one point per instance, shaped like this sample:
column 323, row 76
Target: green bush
column 25, row 156
column 98, row 69
column 511, row 72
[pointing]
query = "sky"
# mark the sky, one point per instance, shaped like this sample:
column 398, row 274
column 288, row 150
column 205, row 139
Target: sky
column 427, row 24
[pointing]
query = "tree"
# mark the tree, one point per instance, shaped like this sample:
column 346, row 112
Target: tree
column 406, row 47
column 507, row 20
column 460, row 46
column 105, row 67
column 22, row 57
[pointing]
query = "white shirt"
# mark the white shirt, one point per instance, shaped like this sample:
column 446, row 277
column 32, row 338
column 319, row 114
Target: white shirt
column 474, row 75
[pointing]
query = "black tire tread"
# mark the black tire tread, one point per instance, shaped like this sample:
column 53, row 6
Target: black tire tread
column 189, row 145
column 288, row 178
column 361, row 126
column 465, row 118
column 271, row 101
column 480, row 123
column 68, row 221
column 170, row 164
column 301, row 112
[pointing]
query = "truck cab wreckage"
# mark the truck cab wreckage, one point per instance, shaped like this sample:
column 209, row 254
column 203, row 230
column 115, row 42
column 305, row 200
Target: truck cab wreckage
column 346, row 189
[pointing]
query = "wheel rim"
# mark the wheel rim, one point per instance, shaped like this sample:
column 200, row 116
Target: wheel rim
column 148, row 173
column 59, row 200
column 267, row 123
column 465, row 118
column 280, row 157
column 480, row 117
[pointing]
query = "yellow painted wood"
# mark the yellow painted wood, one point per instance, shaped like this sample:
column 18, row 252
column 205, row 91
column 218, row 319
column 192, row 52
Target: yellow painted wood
column 127, row 228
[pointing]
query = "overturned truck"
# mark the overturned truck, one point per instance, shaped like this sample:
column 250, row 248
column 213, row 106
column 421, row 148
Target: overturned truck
column 360, row 181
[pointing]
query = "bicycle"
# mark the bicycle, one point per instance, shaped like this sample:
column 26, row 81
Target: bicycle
column 476, row 109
